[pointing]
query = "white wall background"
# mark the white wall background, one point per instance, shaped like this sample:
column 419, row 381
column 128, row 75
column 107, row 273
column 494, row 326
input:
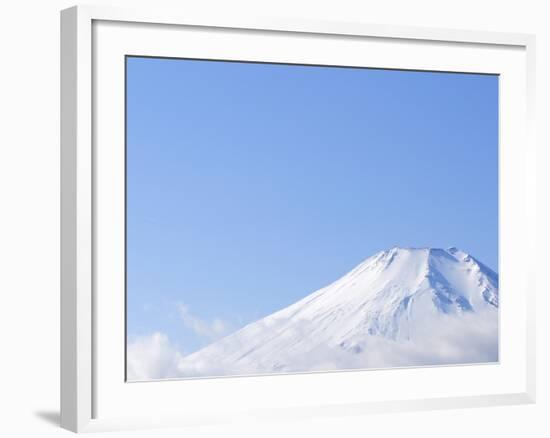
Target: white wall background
column 29, row 218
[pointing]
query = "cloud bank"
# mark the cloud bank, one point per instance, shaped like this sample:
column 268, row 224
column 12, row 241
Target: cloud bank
column 152, row 357
column 443, row 340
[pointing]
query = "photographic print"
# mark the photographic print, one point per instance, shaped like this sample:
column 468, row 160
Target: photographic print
column 285, row 218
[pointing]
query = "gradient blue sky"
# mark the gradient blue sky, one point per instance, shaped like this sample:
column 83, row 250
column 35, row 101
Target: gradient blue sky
column 250, row 185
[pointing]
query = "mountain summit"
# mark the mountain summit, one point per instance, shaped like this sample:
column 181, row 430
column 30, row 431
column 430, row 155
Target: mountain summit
column 400, row 307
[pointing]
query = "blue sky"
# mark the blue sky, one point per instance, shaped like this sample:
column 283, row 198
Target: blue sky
column 250, row 185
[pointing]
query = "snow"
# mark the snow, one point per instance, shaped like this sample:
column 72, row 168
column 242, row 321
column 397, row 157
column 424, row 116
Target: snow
column 400, row 307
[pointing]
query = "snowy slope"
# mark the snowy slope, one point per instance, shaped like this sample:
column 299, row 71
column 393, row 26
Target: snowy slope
column 401, row 307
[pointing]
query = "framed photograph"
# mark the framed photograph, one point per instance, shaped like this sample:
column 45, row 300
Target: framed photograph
column 277, row 218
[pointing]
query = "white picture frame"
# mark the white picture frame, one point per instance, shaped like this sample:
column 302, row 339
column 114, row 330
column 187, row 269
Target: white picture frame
column 94, row 395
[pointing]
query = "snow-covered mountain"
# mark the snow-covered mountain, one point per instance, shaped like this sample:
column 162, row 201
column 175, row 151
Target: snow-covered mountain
column 400, row 307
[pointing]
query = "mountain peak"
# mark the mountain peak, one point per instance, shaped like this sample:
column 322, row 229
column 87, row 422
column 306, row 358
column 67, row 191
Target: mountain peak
column 422, row 254
column 422, row 250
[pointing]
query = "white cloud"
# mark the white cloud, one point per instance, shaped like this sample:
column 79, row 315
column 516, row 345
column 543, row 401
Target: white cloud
column 444, row 340
column 152, row 357
column 210, row 330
